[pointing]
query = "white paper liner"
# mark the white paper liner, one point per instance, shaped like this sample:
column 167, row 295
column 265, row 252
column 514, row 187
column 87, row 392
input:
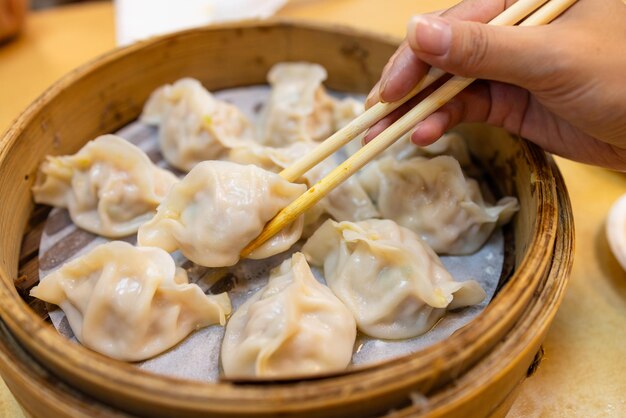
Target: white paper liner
column 197, row 356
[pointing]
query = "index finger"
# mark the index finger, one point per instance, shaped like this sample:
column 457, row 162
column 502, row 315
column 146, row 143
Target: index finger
column 404, row 70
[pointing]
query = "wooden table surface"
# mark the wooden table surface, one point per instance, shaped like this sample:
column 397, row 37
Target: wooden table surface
column 583, row 373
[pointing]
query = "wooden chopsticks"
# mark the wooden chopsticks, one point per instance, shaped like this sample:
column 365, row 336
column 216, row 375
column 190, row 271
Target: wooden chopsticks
column 430, row 104
column 510, row 16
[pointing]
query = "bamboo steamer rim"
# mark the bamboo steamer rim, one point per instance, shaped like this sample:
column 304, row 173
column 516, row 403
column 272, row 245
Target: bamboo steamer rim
column 38, row 392
column 363, row 383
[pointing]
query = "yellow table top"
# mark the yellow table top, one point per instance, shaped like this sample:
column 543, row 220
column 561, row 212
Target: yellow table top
column 583, row 371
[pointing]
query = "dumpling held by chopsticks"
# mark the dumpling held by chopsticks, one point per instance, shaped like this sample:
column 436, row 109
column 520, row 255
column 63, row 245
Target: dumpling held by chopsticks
column 217, row 209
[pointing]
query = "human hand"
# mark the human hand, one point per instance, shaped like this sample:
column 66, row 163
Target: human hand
column 12, row 13
column 561, row 86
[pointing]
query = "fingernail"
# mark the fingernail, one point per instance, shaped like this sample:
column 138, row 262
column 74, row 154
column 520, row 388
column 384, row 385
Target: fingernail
column 363, row 138
column 430, row 34
column 384, row 80
column 370, row 97
column 383, row 85
column 416, row 135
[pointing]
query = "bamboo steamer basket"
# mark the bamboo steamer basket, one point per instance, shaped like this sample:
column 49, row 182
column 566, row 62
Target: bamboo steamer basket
column 108, row 93
column 487, row 390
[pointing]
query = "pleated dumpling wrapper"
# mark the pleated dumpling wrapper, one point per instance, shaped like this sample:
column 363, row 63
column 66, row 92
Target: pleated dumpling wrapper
column 110, row 187
column 347, row 202
column 193, row 125
column 433, row 198
column 217, row 209
column 130, row 303
column 292, row 327
column 299, row 108
column 392, row 282
column 450, row 143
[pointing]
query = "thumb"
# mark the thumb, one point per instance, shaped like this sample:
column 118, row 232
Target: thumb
column 516, row 55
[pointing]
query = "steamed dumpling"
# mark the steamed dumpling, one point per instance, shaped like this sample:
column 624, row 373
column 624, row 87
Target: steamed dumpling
column 273, row 159
column 110, row 187
column 299, row 109
column 347, row 202
column 346, row 110
column 392, row 282
column 130, row 303
column 292, row 327
column 217, row 209
column 450, row 143
column 193, row 125
column 433, row 198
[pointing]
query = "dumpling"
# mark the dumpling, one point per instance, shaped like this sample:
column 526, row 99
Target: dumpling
column 433, row 198
column 292, row 327
column 450, row 143
column 217, row 209
column 110, row 187
column 273, row 159
column 299, row 109
column 346, row 110
column 392, row 282
column 193, row 125
column 130, row 303
column 347, row 202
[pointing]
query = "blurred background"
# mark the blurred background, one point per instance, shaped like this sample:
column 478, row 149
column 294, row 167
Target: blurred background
column 41, row 40
column 42, row 4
